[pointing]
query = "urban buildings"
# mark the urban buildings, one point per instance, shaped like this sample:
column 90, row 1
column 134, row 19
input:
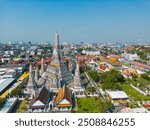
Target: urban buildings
column 66, row 78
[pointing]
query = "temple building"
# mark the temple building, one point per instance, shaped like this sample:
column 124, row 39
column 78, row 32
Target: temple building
column 36, row 74
column 40, row 102
column 55, row 77
column 56, row 74
column 42, row 67
column 65, row 100
column 78, row 87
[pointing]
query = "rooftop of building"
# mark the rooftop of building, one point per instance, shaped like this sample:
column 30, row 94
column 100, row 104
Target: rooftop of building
column 9, row 103
column 4, row 83
column 9, row 72
column 45, row 60
column 63, row 93
column 140, row 110
column 117, row 94
column 42, row 97
column 115, row 56
column 140, row 65
column 19, row 61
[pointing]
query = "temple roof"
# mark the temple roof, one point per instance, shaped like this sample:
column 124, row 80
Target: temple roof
column 114, row 61
column 63, row 93
column 42, row 96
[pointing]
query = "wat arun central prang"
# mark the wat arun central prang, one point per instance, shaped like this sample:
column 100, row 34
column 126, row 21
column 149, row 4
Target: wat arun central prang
column 57, row 74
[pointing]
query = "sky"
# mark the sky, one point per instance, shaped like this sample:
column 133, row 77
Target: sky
column 75, row 20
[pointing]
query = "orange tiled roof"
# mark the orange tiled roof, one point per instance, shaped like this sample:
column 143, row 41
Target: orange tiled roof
column 64, row 105
column 114, row 61
column 60, row 95
column 63, row 93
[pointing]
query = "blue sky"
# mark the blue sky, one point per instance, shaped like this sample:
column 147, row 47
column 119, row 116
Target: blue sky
column 75, row 20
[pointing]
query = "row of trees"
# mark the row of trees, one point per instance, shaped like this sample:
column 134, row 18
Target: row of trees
column 94, row 75
column 16, row 92
column 109, row 80
column 112, row 80
column 146, row 75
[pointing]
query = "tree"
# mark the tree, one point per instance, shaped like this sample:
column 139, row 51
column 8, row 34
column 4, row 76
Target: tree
column 82, row 69
column 15, row 92
column 94, row 75
column 2, row 102
column 145, row 76
column 106, row 106
column 67, row 63
column 91, row 89
column 111, row 80
column 134, row 76
column 120, row 78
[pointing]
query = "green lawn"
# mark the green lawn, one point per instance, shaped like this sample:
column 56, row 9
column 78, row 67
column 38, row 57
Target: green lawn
column 92, row 105
column 134, row 94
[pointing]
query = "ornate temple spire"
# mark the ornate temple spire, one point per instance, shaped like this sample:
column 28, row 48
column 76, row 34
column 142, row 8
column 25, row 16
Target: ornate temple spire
column 57, row 49
column 56, row 74
column 31, row 82
column 42, row 67
column 77, row 80
column 36, row 74
column 57, row 39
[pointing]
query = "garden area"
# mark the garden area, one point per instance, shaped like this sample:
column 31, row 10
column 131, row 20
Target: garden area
column 114, row 80
column 93, row 105
column 134, row 94
column 142, row 82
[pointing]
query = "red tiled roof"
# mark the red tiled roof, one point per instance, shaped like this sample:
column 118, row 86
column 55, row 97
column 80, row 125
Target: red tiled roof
column 128, row 48
column 102, row 67
column 147, row 105
column 1, row 56
column 115, row 56
column 141, row 65
column 20, row 61
column 46, row 60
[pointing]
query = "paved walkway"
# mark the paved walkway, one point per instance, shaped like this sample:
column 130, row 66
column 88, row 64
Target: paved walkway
column 99, row 91
column 140, row 91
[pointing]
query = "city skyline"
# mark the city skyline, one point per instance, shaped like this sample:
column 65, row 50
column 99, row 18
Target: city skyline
column 85, row 20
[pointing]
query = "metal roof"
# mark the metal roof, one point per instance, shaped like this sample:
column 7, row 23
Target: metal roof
column 5, row 82
column 8, row 105
column 117, row 94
